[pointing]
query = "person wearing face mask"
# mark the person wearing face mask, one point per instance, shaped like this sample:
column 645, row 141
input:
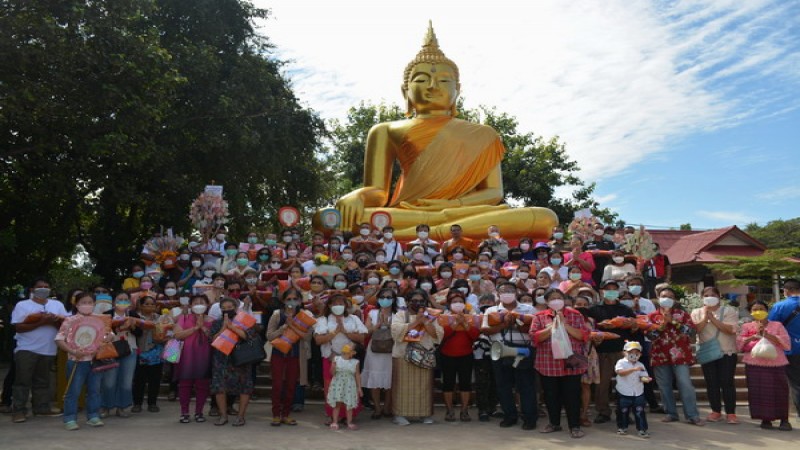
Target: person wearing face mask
column 412, row 386
column 228, row 261
column 193, row 371
column 609, row 351
column 601, row 249
column 510, row 374
column 147, row 287
column 477, row 283
column 335, row 248
column 377, row 374
column 149, row 367
column 444, row 276
column 715, row 321
column 292, row 256
column 429, row 246
column 463, row 286
column 261, row 263
column 767, row 384
column 192, row 274
column 214, row 249
column 227, row 379
column 542, row 260
column 495, row 244
column 289, row 370
column 592, row 375
column 79, row 368
column 642, row 306
column 619, row 270
column 457, row 240
column 656, row 270
column 252, row 246
column 35, row 350
column 556, row 269
column 787, row 311
column 582, row 259
column 487, row 266
column 459, row 334
column 380, row 263
column 632, row 376
column 573, row 284
column 539, row 303
column 672, row 357
column 117, row 383
column 335, row 328
column 560, row 381
column 484, row 385
column 241, row 266
column 557, row 243
column 131, row 284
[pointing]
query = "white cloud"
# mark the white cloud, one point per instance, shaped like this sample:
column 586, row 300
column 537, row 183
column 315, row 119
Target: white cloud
column 781, row 194
column 727, row 217
column 616, row 80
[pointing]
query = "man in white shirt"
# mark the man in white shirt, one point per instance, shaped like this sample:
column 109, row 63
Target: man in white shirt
column 35, row 350
column 429, row 246
column 393, row 249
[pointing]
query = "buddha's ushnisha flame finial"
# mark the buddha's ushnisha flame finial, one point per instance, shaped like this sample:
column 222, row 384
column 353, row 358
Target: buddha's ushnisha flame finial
column 431, row 54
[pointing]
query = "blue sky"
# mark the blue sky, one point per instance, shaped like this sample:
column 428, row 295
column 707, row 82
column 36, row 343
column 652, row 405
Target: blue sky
column 680, row 111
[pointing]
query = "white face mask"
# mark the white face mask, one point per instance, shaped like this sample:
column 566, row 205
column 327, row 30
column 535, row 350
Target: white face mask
column 508, row 298
column 418, row 256
column 337, row 309
column 426, row 286
column 169, row 292
column 523, row 275
column 184, row 301
column 380, row 258
column 373, row 281
column 457, row 307
column 540, row 300
column 556, row 305
column 208, row 273
column 287, row 239
column 422, row 235
column 199, row 309
column 275, row 265
column 463, row 290
column 220, row 237
column 483, row 265
column 185, row 257
column 197, row 263
column 359, row 299
column 524, row 247
column 251, row 281
column 598, row 232
column 618, row 259
column 347, row 256
column 340, row 285
column 388, row 235
column 447, row 275
column 494, row 235
column 711, row 301
column 666, row 302
column 458, row 256
column 292, row 253
column 364, row 231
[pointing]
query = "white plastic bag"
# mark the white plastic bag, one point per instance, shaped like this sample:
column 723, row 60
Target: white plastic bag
column 559, row 340
column 764, row 349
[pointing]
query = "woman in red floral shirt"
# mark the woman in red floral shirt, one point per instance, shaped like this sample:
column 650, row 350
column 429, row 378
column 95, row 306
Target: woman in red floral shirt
column 671, row 356
column 561, row 381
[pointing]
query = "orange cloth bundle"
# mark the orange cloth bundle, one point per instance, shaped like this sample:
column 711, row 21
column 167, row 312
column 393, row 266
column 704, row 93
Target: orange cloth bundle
column 618, row 322
column 498, row 317
column 449, row 320
column 424, row 270
column 243, row 320
column 225, row 342
column 300, row 323
column 301, row 283
column 460, row 270
column 644, row 323
column 508, row 271
column 606, row 335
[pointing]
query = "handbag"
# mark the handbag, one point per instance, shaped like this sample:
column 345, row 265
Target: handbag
column 247, row 352
column 578, row 362
column 710, row 350
column 382, row 341
column 113, row 350
column 172, row 351
column 420, row 356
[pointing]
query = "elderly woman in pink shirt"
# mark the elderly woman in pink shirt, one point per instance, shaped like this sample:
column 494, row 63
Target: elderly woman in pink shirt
column 767, row 386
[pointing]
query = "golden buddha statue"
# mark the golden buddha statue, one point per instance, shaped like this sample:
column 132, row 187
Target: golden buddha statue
column 450, row 167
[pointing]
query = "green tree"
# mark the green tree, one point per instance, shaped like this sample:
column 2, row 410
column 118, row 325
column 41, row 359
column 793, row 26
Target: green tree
column 116, row 114
column 686, row 227
column 533, row 168
column 777, row 233
column 760, row 270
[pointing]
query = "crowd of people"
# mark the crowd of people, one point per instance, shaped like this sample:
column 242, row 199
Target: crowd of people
column 531, row 328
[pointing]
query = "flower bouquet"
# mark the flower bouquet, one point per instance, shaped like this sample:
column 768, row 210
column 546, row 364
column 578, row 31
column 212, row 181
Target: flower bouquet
column 208, row 213
column 640, row 244
column 582, row 227
column 165, row 249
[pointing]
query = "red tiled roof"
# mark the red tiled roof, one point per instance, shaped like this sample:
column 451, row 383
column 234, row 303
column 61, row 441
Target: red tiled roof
column 684, row 246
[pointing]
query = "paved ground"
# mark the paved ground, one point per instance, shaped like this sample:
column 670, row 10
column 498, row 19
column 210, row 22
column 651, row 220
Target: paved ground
column 162, row 431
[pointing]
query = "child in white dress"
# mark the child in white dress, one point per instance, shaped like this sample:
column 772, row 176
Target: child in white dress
column 345, row 387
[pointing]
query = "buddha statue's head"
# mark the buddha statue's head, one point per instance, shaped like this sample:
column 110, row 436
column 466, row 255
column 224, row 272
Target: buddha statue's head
column 430, row 81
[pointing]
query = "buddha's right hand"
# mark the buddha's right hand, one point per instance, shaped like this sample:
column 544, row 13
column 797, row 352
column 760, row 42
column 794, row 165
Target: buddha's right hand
column 351, row 207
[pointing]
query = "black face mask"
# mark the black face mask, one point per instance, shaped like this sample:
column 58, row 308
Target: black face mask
column 230, row 314
column 408, row 274
column 415, row 306
column 484, row 308
column 583, row 310
column 362, row 263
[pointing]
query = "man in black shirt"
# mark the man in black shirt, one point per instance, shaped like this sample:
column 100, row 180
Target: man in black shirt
column 602, row 240
column 609, row 351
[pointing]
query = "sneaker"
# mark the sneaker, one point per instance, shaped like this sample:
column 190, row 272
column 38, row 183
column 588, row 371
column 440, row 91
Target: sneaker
column 427, row 420
column 95, row 422
column 785, row 426
column 622, row 431
column 401, row 421
column 18, row 417
column 697, row 422
column 731, row 419
column 507, row 423
column 103, row 413
column 644, row 434
column 714, row 417
column 71, row 426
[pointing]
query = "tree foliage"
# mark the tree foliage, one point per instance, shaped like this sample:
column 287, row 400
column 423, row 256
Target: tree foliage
column 760, row 270
column 116, row 114
column 777, row 233
column 534, row 168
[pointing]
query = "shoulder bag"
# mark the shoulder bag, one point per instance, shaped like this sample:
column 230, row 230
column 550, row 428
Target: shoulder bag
column 710, row 350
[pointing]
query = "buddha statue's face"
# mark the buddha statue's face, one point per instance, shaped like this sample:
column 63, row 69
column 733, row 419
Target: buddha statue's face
column 432, row 88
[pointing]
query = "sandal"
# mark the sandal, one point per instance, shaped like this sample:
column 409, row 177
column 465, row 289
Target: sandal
column 464, row 417
column 276, row 422
column 585, row 422
column 185, row 419
column 576, row 433
column 328, row 420
column 221, row 421
column 199, row 418
column 288, row 421
column 352, row 426
column 334, row 426
column 238, row 422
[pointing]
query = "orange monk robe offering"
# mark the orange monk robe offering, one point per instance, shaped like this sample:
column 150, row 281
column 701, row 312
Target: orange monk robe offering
column 498, row 317
column 298, row 325
column 618, row 322
column 227, row 340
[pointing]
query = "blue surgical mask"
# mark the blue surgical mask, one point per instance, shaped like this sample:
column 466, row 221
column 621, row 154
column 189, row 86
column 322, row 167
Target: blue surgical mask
column 635, row 290
column 394, row 270
column 385, row 302
column 106, row 297
column 610, row 295
column 474, row 277
column 628, row 303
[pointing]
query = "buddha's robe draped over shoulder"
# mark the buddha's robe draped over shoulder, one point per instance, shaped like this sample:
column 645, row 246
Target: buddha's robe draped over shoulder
column 445, row 158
